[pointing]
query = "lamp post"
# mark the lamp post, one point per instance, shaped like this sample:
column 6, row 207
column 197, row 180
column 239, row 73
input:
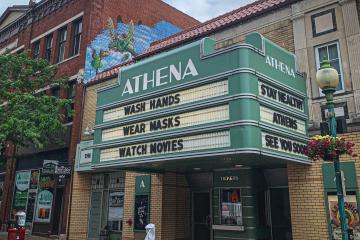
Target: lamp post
column 328, row 79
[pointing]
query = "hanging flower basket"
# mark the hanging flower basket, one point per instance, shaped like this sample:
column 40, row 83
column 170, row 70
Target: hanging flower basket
column 327, row 147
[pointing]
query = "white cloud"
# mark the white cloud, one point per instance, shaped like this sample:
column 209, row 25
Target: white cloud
column 8, row 3
column 206, row 9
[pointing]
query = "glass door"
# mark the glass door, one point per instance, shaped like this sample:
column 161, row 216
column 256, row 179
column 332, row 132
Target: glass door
column 201, row 215
column 278, row 205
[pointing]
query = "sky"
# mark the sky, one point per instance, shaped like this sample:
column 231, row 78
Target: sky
column 202, row 10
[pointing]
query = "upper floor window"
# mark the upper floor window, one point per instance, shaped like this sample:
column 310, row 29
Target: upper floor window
column 55, row 92
column 62, row 44
column 331, row 52
column 36, row 49
column 77, row 26
column 48, row 47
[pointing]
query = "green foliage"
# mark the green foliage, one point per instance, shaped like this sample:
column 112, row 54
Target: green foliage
column 27, row 115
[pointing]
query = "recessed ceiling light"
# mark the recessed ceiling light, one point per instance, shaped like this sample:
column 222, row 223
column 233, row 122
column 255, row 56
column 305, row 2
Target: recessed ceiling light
column 197, row 168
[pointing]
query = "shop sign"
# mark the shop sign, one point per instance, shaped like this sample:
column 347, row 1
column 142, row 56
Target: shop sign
column 158, row 77
column 22, row 180
column 86, row 156
column 283, row 144
column 352, row 215
column 284, row 98
column 174, row 145
column 44, row 204
column 189, row 119
column 229, row 178
column 62, row 172
column 142, row 184
column 282, row 120
column 171, row 100
column 20, row 199
column 49, row 167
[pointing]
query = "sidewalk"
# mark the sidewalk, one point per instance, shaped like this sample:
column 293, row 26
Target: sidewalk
column 3, row 236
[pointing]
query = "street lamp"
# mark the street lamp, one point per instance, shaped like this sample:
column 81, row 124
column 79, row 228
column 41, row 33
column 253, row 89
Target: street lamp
column 328, row 78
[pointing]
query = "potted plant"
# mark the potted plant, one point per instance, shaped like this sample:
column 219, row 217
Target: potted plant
column 328, row 147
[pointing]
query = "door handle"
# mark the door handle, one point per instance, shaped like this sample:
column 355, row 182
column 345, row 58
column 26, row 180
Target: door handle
column 208, row 220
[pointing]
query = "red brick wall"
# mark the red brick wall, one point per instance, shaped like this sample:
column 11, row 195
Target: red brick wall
column 96, row 13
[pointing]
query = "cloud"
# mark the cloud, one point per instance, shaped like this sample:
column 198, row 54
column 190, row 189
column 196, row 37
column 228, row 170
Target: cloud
column 206, row 9
column 8, row 3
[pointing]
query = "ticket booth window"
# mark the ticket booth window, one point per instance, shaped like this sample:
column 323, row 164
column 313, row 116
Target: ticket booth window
column 231, row 208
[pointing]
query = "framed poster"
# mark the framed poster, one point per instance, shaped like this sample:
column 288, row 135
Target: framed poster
column 141, row 215
column 22, row 180
column 30, row 208
column 34, row 179
column 44, row 204
column 45, row 198
column 352, row 215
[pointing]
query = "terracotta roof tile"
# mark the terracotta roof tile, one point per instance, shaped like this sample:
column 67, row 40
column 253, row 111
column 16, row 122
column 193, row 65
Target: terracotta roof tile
column 238, row 15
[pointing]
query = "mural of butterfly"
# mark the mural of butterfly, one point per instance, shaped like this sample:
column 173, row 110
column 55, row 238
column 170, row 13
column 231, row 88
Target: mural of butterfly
column 123, row 42
column 97, row 58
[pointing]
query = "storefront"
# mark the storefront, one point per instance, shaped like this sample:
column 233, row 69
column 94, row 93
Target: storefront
column 221, row 124
column 39, row 190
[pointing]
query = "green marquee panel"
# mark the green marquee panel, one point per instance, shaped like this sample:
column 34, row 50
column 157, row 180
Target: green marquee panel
column 197, row 106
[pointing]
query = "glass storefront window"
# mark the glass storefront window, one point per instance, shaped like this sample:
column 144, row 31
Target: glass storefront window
column 115, row 211
column 231, row 211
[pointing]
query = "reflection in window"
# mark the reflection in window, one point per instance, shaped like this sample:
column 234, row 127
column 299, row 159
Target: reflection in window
column 48, row 47
column 76, row 37
column 330, row 52
column 115, row 211
column 231, row 211
column 62, row 44
column 36, row 49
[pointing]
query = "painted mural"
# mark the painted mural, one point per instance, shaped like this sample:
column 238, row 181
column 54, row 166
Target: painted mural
column 121, row 42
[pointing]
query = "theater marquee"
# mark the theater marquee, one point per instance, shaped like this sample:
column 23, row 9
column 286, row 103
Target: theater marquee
column 241, row 105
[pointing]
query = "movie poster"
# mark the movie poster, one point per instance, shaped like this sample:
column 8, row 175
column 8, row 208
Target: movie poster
column 141, row 212
column 352, row 216
column 45, row 197
column 44, row 204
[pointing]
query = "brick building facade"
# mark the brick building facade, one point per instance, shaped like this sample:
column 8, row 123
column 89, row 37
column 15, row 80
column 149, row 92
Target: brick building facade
column 60, row 31
column 306, row 28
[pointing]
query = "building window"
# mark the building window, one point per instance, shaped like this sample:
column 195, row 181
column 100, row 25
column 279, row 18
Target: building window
column 231, row 209
column 77, row 26
column 36, row 49
column 330, row 52
column 62, row 44
column 323, row 22
column 48, row 47
column 55, row 92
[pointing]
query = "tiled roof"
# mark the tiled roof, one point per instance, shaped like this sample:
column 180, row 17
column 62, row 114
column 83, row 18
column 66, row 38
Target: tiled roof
column 234, row 17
